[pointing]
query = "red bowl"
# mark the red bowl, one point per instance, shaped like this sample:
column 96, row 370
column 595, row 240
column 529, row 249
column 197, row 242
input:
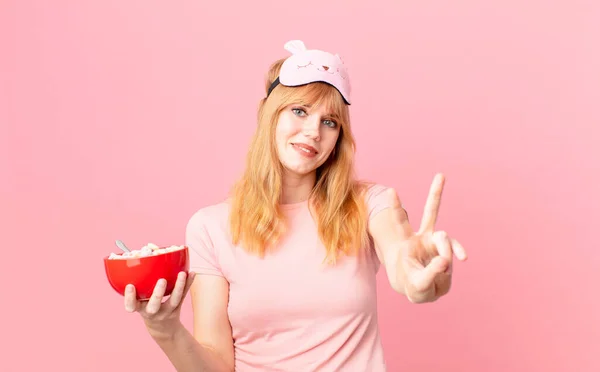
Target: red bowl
column 144, row 272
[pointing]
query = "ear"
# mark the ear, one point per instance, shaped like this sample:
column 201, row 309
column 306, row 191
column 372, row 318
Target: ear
column 340, row 58
column 294, row 46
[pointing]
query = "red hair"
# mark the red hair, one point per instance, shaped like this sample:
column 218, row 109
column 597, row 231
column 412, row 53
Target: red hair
column 256, row 221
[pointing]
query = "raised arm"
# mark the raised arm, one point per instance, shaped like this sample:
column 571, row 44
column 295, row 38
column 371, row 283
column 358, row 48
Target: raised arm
column 418, row 264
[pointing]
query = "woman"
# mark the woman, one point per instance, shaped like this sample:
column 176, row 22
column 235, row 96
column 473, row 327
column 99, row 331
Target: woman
column 283, row 273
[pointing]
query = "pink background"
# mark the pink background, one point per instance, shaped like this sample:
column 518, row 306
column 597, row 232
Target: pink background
column 119, row 119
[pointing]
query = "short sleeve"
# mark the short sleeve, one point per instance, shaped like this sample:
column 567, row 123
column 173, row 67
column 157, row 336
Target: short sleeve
column 203, row 258
column 378, row 199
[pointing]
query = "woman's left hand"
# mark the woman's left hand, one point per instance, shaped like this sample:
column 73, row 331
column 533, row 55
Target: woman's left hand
column 425, row 258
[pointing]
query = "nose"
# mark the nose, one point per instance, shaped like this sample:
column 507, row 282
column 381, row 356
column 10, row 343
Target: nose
column 312, row 128
column 326, row 68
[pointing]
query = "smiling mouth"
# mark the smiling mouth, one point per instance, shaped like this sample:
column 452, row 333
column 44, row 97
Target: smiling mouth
column 329, row 72
column 305, row 148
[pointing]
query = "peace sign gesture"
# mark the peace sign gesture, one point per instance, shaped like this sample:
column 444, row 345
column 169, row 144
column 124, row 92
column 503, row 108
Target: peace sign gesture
column 425, row 258
column 419, row 265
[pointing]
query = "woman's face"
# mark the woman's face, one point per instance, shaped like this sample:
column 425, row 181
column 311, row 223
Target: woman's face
column 305, row 137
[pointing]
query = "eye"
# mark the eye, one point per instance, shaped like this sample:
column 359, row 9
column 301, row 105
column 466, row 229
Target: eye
column 330, row 123
column 299, row 112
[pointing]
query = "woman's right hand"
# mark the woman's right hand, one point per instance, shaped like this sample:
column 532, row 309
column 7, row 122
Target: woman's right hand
column 162, row 319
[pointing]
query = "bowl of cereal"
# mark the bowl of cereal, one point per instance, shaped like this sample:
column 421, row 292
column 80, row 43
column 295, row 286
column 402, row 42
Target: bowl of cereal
column 144, row 267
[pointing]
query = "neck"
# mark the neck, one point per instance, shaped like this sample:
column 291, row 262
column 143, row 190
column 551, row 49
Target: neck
column 297, row 188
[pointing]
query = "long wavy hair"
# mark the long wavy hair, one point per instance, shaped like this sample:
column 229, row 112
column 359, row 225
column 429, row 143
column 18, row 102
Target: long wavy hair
column 337, row 199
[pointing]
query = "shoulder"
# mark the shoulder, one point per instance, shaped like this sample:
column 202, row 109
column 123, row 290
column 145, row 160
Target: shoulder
column 205, row 234
column 373, row 189
column 376, row 197
column 210, row 217
column 370, row 190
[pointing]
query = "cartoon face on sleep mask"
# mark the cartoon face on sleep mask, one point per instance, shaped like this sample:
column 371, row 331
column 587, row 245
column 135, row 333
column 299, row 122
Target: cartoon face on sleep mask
column 306, row 66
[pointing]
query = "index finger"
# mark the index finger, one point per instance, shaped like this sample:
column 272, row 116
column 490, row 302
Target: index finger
column 130, row 299
column 432, row 205
column 184, row 282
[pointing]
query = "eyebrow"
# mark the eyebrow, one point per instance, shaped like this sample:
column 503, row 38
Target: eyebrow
column 333, row 117
column 327, row 115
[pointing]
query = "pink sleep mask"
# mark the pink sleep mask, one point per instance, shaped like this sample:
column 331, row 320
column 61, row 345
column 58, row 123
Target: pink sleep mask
column 309, row 66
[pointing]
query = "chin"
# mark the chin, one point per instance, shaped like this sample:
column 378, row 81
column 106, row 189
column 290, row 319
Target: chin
column 300, row 169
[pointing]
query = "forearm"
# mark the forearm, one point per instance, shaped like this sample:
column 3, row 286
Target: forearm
column 188, row 355
column 393, row 268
